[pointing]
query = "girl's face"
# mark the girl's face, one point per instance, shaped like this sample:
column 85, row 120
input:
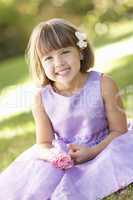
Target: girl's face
column 62, row 65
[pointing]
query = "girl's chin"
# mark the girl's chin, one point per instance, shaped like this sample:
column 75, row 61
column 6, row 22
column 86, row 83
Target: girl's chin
column 64, row 81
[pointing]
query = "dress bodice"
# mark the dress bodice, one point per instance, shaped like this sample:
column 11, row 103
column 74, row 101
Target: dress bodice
column 79, row 118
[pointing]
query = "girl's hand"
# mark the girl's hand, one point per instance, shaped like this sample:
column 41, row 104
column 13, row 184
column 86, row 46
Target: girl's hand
column 80, row 153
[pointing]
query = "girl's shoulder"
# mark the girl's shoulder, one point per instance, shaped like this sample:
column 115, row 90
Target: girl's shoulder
column 115, row 112
column 37, row 97
column 39, row 90
column 109, row 86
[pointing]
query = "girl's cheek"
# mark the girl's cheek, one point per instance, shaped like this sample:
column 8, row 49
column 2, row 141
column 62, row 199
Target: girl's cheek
column 49, row 70
column 47, row 66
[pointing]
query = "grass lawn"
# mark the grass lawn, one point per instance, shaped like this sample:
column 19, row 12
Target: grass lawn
column 12, row 72
column 17, row 132
column 122, row 73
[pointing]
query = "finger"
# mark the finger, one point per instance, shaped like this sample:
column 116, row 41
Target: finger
column 72, row 151
column 74, row 146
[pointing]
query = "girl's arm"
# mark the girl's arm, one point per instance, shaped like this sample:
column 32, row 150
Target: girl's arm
column 44, row 130
column 114, row 111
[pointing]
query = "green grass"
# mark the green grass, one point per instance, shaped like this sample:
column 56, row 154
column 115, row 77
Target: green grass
column 13, row 144
column 123, row 31
column 18, row 120
column 13, row 71
column 125, row 194
column 10, row 148
column 17, row 132
column 122, row 73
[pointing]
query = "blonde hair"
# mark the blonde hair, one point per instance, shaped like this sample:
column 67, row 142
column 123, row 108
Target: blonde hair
column 53, row 35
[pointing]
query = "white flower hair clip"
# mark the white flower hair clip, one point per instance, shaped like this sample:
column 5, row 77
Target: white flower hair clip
column 82, row 43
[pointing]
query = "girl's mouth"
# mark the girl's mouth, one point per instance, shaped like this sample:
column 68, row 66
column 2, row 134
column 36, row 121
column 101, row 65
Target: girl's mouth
column 63, row 72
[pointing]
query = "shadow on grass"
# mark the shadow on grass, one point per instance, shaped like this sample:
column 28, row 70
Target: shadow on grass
column 17, row 120
column 12, row 72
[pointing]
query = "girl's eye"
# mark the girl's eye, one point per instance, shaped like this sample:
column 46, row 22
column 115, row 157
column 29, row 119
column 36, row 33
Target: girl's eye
column 48, row 58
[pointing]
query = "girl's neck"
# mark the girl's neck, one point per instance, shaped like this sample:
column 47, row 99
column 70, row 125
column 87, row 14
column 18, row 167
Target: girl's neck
column 73, row 87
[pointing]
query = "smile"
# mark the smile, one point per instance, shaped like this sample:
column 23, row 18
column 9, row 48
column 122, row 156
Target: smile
column 63, row 72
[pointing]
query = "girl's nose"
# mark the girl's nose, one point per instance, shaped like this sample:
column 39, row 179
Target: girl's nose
column 58, row 61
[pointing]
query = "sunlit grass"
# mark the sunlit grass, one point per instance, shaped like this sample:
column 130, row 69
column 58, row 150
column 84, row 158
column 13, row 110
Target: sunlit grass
column 9, row 132
column 18, row 124
column 17, row 133
column 123, row 29
column 107, row 56
column 10, row 148
column 116, row 32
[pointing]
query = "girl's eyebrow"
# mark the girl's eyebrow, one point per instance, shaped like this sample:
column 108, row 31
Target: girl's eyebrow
column 64, row 49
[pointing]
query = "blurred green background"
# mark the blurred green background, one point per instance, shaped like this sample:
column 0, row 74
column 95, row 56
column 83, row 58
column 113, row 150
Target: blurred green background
column 109, row 27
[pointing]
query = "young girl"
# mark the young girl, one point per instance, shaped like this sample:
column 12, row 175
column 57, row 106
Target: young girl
column 83, row 146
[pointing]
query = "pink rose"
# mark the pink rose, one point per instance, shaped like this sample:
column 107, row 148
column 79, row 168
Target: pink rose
column 63, row 161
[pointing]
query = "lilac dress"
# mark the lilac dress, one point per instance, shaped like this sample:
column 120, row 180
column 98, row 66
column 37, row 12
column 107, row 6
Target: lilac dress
column 79, row 119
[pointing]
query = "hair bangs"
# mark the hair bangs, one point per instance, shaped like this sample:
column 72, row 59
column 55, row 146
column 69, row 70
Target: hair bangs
column 54, row 38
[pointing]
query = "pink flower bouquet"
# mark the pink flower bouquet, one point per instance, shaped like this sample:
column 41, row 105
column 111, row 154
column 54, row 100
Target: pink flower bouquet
column 58, row 158
column 62, row 161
